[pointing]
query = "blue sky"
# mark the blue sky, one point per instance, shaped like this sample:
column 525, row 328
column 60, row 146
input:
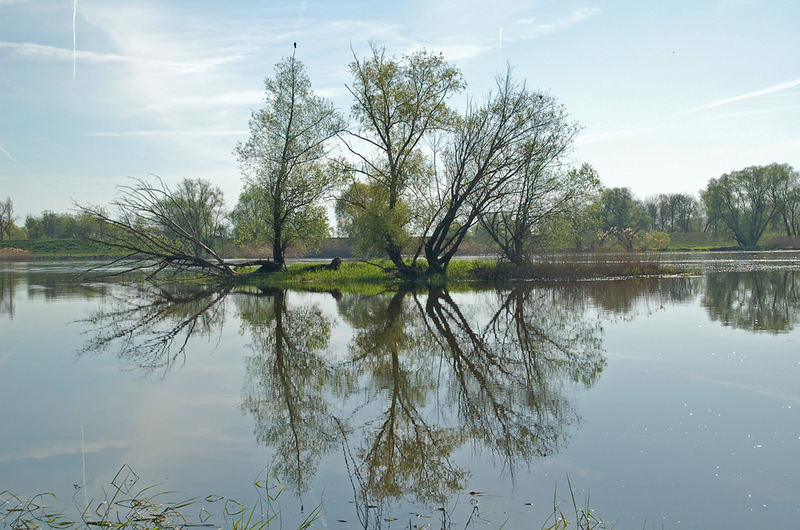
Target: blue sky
column 669, row 94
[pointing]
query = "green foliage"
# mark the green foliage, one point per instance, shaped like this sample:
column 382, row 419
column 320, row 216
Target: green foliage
column 365, row 216
column 196, row 207
column 744, row 202
column 621, row 217
column 548, row 205
column 7, row 226
column 652, row 240
column 397, row 103
column 253, row 222
column 283, row 163
column 674, row 212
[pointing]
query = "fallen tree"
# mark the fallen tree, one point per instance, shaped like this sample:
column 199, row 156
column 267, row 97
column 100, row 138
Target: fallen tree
column 158, row 230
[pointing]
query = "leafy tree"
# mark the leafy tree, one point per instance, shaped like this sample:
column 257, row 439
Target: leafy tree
column 785, row 191
column 285, row 178
column 742, row 202
column 397, row 103
column 674, row 212
column 621, row 216
column 364, row 215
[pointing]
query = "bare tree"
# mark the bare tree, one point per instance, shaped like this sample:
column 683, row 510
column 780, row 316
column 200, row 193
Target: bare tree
column 497, row 163
column 155, row 230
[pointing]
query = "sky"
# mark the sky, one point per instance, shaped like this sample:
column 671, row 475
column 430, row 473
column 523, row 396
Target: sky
column 668, row 94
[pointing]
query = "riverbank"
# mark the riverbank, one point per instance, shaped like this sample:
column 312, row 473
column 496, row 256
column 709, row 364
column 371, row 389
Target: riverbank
column 379, row 274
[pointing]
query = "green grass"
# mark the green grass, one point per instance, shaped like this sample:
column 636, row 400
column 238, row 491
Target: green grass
column 379, row 276
column 60, row 248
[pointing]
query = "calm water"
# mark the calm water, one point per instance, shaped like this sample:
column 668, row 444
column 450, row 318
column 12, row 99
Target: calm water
column 671, row 402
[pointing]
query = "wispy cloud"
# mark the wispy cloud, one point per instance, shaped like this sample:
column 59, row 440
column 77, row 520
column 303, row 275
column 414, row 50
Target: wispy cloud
column 30, row 49
column 454, row 52
column 576, row 16
column 749, row 95
column 168, row 133
column 611, row 135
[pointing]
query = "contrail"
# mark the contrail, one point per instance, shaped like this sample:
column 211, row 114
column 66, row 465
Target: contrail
column 500, row 51
column 763, row 92
column 74, row 39
column 17, row 162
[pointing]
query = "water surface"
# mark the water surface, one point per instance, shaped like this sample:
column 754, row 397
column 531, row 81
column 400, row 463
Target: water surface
column 671, row 402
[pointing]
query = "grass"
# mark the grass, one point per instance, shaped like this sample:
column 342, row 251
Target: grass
column 585, row 518
column 122, row 506
column 379, row 276
column 59, row 248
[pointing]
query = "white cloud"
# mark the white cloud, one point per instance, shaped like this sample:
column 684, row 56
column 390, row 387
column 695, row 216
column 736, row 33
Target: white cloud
column 576, row 16
column 169, row 133
column 749, row 95
column 29, row 49
column 586, row 139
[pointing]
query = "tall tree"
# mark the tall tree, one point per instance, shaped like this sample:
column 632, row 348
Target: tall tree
column 397, row 103
column 742, row 202
column 285, row 177
column 493, row 155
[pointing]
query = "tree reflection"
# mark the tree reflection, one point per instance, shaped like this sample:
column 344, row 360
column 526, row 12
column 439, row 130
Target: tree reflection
column 508, row 376
column 8, row 288
column 754, row 301
column 49, row 286
column 289, row 382
column 493, row 377
column 151, row 330
column 402, row 451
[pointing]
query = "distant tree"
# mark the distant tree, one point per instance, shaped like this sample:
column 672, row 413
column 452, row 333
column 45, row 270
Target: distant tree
column 686, row 210
column 742, row 201
column 6, row 218
column 785, row 191
column 674, row 212
column 285, row 178
column 34, row 227
column 196, row 206
column 621, row 216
